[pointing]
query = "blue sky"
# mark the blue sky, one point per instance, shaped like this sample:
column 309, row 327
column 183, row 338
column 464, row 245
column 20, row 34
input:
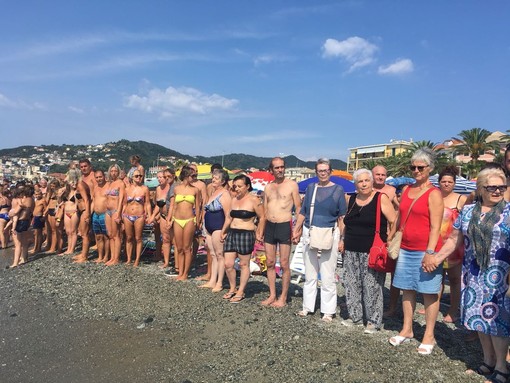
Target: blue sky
column 309, row 78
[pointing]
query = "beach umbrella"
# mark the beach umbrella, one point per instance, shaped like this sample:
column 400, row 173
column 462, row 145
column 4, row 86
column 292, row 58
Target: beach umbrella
column 259, row 180
column 348, row 186
column 399, row 181
column 342, row 174
column 462, row 185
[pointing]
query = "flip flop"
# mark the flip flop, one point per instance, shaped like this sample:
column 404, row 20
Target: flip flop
column 484, row 370
column 398, row 340
column 425, row 349
column 237, row 298
column 229, row 295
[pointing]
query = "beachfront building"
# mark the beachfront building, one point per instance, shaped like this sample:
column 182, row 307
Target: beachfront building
column 299, row 174
column 448, row 147
column 359, row 155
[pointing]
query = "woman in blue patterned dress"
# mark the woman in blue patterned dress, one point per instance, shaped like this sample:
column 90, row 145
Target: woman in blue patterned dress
column 484, row 227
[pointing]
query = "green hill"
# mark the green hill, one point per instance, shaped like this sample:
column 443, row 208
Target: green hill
column 103, row 155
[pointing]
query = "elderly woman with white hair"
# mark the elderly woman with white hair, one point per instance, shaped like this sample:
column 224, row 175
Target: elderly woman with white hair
column 364, row 285
column 421, row 214
column 484, row 228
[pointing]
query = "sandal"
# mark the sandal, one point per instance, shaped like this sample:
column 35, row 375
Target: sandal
column 397, row 340
column 229, row 295
column 484, row 370
column 303, row 313
column 425, row 349
column 237, row 298
column 494, row 377
column 328, row 318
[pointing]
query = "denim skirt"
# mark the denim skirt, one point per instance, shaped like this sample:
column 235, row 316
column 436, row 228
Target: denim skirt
column 409, row 274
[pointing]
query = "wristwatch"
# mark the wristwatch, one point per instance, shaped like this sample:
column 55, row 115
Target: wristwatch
column 428, row 251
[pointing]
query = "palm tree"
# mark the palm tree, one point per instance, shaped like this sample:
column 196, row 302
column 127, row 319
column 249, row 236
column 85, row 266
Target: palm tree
column 474, row 144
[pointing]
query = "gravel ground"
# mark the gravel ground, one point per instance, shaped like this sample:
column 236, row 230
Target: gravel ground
column 64, row 322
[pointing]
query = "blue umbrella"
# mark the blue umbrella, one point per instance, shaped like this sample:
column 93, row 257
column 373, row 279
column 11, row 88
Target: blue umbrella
column 347, row 185
column 400, row 181
column 462, row 185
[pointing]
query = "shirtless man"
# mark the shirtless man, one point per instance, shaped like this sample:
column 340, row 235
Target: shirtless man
column 379, row 173
column 87, row 175
column 280, row 197
column 98, row 208
column 83, row 203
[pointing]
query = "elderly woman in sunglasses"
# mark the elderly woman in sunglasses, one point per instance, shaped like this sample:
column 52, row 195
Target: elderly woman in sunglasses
column 484, row 229
column 420, row 217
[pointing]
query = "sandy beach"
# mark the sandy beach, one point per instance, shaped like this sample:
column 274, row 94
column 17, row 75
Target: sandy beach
column 64, row 322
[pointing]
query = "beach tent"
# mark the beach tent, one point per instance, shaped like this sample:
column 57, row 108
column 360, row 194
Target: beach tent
column 259, row 180
column 347, row 185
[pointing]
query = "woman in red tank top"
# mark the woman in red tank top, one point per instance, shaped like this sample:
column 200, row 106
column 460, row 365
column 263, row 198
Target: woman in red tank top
column 421, row 213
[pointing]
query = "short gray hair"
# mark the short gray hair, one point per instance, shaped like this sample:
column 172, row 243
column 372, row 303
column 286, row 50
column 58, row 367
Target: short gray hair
column 323, row 161
column 424, row 155
column 361, row 171
column 222, row 173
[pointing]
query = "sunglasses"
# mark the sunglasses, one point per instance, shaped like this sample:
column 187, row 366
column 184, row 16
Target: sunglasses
column 194, row 175
column 137, row 176
column 419, row 168
column 493, row 188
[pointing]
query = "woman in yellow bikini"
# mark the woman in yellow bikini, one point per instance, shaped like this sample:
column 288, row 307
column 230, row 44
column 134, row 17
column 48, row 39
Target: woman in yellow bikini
column 116, row 191
column 186, row 214
column 136, row 212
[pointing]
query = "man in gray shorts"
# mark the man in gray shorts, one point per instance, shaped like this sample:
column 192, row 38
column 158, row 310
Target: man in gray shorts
column 280, row 197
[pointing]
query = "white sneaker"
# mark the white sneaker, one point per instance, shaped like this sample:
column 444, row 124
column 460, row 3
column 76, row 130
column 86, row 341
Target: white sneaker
column 370, row 329
column 350, row 323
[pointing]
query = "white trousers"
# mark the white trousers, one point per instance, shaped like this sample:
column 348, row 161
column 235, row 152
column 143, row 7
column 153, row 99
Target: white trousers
column 325, row 264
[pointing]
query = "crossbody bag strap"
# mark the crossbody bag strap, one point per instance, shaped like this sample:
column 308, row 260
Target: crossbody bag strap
column 378, row 215
column 410, row 207
column 312, row 205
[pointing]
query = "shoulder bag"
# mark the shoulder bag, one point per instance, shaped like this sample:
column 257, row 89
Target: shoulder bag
column 321, row 238
column 378, row 258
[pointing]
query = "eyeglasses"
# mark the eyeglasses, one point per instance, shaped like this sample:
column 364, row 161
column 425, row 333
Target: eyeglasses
column 419, row 168
column 137, row 176
column 323, row 171
column 493, row 188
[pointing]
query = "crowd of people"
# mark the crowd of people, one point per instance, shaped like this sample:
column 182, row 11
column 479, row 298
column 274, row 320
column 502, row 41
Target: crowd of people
column 466, row 238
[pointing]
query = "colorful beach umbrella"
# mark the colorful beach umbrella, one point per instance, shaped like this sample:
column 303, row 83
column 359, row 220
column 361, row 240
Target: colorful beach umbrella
column 259, row 180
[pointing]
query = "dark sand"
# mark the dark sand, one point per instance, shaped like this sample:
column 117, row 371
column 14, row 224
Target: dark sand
column 63, row 322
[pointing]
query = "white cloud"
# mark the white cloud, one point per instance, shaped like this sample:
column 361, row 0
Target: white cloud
column 355, row 50
column 6, row 102
column 400, row 66
column 282, row 135
column 268, row 58
column 76, row 110
column 177, row 101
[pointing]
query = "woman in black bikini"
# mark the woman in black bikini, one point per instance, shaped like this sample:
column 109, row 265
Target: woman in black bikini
column 5, row 206
column 136, row 212
column 21, row 235
column 163, row 200
column 54, row 225
column 71, row 212
column 241, row 236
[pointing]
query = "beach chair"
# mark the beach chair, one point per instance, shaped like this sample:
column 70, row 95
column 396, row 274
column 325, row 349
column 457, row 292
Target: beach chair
column 148, row 239
column 297, row 263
